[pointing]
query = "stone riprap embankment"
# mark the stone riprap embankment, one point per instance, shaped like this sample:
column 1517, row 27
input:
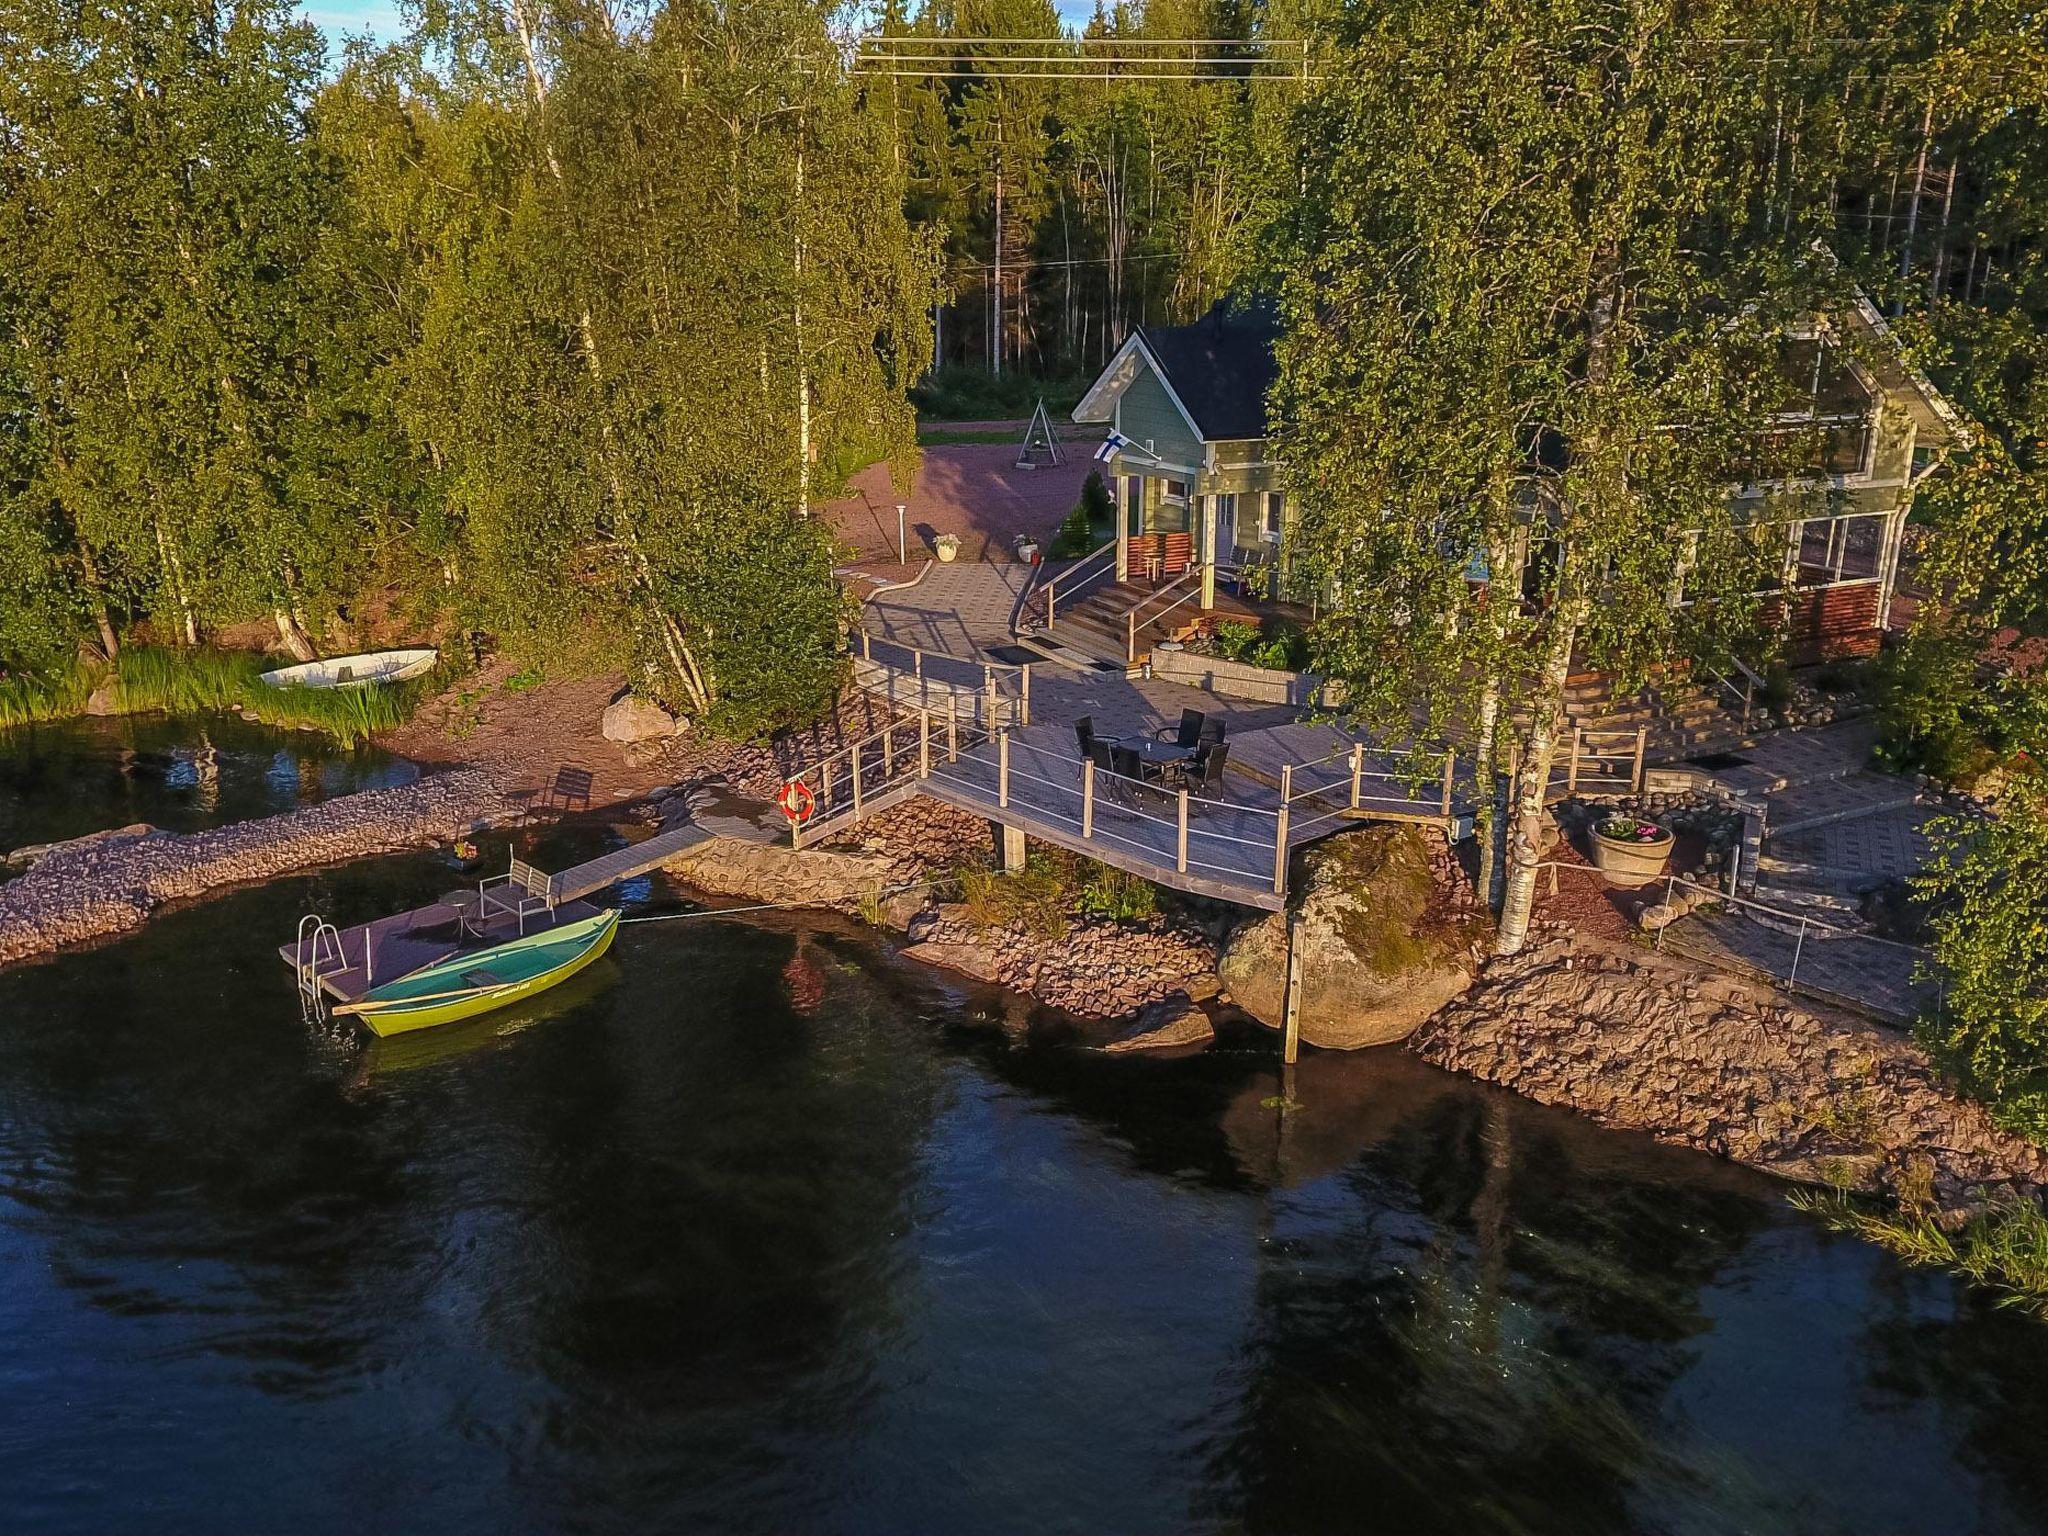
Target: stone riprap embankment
column 1716, row 1063
column 97, row 888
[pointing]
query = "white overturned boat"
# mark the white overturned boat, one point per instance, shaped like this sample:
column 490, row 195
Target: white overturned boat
column 355, row 671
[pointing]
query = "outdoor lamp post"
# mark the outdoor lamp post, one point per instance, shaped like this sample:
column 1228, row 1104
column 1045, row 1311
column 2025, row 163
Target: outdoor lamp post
column 902, row 544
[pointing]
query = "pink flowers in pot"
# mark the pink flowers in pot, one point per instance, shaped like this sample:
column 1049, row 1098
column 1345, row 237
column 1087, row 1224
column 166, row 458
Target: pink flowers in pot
column 1632, row 829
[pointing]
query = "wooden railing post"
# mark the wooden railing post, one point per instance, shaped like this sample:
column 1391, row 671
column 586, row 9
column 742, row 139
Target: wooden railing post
column 825, row 786
column 1003, row 766
column 1280, row 853
column 952, row 729
column 856, row 781
column 1026, row 720
column 1087, row 798
column 1642, row 741
column 1050, row 587
column 867, row 646
column 889, row 750
column 1131, row 638
column 1181, row 851
column 1450, row 773
column 1357, row 774
column 917, row 664
column 924, row 744
column 1571, row 773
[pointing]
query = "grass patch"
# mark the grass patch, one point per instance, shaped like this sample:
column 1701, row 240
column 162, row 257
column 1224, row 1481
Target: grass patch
column 151, row 678
column 2004, row 1250
column 1049, row 891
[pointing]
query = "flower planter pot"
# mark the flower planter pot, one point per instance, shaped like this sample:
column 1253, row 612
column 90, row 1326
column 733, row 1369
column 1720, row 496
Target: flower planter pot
column 1630, row 862
column 948, row 548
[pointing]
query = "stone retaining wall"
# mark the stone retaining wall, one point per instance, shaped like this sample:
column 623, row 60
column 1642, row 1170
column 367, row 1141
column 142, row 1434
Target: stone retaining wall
column 95, row 889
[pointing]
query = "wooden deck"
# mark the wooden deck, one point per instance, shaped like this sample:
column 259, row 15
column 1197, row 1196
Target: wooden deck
column 390, row 947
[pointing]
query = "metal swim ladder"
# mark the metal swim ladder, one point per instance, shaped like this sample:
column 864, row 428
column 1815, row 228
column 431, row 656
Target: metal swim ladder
column 307, row 954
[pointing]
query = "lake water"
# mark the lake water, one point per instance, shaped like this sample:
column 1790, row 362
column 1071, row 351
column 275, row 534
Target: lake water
column 76, row 776
column 758, row 1228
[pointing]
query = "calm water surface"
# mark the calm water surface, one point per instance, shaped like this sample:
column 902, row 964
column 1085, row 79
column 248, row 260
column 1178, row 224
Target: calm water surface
column 757, row 1229
column 77, row 776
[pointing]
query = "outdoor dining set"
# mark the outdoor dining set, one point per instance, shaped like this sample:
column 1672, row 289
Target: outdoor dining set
column 1188, row 756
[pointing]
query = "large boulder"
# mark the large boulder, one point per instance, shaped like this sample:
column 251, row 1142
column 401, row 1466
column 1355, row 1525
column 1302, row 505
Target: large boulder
column 1173, row 1023
column 630, row 718
column 1386, row 930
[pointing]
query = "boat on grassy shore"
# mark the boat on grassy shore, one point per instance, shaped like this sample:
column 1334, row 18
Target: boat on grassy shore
column 358, row 671
column 479, row 980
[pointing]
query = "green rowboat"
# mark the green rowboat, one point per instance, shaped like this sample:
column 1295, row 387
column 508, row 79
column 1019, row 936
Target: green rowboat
column 479, row 980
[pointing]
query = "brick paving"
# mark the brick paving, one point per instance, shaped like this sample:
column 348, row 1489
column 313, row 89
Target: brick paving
column 960, row 609
column 971, row 490
column 1886, row 844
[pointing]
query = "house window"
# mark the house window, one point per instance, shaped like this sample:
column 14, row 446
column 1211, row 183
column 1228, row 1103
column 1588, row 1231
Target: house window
column 1276, row 509
column 1174, row 490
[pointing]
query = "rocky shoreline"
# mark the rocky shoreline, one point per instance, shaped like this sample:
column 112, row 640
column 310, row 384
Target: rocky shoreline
column 1641, row 1042
column 101, row 886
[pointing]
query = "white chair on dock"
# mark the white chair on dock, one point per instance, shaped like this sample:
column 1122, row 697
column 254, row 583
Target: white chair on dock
column 519, row 894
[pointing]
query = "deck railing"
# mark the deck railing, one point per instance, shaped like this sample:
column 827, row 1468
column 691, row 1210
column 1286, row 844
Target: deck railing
column 927, row 675
column 1343, row 783
column 1070, row 577
column 1601, row 761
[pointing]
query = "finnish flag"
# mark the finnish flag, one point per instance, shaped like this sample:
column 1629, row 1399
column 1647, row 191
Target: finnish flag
column 1112, row 445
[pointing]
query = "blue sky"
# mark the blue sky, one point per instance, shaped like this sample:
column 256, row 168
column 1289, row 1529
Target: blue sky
column 346, row 18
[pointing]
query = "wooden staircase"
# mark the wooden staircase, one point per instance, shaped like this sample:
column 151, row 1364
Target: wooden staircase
column 1682, row 717
column 1097, row 626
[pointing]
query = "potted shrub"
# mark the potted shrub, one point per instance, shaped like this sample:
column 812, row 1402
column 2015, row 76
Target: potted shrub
column 1630, row 851
column 948, row 546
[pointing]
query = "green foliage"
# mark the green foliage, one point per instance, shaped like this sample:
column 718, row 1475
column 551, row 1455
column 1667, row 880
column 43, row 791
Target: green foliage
column 1273, row 643
column 1090, row 524
column 967, row 392
column 1987, row 887
column 2004, row 1250
column 1934, row 713
column 1052, row 888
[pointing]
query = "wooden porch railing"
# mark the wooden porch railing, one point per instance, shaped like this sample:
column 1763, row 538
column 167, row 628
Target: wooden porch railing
column 1006, row 687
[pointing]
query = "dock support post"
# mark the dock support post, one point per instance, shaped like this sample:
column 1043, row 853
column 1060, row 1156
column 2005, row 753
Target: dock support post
column 1002, row 767
column 1087, row 799
column 924, row 744
column 856, row 781
column 1357, row 773
column 1290, row 1027
column 1181, row 851
column 1013, row 848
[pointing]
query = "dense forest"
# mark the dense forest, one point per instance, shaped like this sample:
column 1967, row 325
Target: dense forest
column 540, row 323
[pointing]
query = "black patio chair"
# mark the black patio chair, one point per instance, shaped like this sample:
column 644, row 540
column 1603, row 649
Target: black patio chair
column 1206, row 771
column 1106, row 781
column 1084, row 733
column 1213, row 731
column 1125, row 763
column 1188, row 733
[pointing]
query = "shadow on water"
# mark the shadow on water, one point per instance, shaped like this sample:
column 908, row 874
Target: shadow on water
column 67, row 778
column 755, row 1227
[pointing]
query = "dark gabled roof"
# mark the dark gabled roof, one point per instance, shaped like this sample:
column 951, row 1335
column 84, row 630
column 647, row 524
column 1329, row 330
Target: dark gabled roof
column 1221, row 367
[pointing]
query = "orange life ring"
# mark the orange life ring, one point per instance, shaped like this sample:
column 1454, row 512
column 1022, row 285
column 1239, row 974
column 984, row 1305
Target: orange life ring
column 797, row 801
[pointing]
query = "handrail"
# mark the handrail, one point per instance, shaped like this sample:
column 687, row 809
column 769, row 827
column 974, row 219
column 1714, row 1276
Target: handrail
column 1132, row 623
column 991, row 673
column 1075, row 569
column 1746, row 694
